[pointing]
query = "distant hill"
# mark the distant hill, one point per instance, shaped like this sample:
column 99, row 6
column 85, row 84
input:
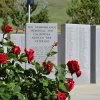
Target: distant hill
column 57, row 10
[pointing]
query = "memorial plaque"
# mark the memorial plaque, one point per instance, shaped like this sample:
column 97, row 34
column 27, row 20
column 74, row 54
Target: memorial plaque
column 97, row 53
column 40, row 37
column 19, row 40
column 77, row 47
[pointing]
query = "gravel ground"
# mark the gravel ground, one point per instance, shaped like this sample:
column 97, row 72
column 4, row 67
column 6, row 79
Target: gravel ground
column 86, row 92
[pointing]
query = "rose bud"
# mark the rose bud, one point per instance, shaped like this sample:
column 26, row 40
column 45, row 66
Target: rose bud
column 78, row 73
column 55, row 44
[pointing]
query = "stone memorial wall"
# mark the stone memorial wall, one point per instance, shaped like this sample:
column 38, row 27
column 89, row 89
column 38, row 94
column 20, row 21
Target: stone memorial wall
column 18, row 39
column 1, row 37
column 76, row 46
column 77, row 42
column 97, row 54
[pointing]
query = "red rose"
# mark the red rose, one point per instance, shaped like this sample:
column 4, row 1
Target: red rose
column 70, row 84
column 3, row 59
column 16, row 49
column 73, row 66
column 7, row 28
column 30, row 55
column 78, row 73
column 48, row 67
column 61, row 96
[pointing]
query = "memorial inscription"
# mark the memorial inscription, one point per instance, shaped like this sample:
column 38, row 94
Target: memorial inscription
column 40, row 37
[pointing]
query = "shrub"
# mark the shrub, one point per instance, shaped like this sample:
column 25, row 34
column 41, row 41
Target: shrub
column 17, row 83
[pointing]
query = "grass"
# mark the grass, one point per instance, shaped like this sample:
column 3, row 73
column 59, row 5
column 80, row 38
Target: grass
column 57, row 10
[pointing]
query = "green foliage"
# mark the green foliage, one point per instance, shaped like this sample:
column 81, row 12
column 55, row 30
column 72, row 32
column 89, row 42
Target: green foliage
column 85, row 11
column 6, row 7
column 5, row 22
column 18, row 83
column 20, row 17
column 42, row 17
column 18, row 12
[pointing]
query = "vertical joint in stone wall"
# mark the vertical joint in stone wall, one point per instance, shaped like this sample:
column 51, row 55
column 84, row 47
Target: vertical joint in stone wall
column 93, row 55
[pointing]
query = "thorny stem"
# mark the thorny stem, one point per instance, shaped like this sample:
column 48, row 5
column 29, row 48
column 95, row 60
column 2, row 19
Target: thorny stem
column 49, row 52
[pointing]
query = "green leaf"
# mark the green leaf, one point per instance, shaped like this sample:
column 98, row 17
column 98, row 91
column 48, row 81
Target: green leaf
column 11, row 55
column 10, row 43
column 0, row 42
column 63, row 66
column 44, row 82
column 17, row 88
column 60, row 77
column 33, row 63
column 22, row 55
column 51, row 53
column 18, row 66
column 21, row 96
column 22, row 58
column 37, row 66
column 62, row 87
column 2, row 90
column 5, row 96
column 1, row 50
column 47, row 97
column 30, row 72
column 11, row 86
column 34, row 94
column 69, row 98
column 6, row 38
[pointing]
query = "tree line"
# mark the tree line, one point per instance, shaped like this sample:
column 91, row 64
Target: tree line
column 79, row 12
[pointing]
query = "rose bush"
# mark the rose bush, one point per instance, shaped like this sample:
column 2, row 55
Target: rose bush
column 18, row 83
